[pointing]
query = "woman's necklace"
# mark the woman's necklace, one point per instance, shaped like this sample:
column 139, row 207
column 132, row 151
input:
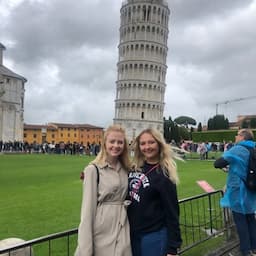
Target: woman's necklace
column 136, row 187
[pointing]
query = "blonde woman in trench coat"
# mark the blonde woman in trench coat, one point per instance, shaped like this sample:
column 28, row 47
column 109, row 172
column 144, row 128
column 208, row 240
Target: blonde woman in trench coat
column 104, row 227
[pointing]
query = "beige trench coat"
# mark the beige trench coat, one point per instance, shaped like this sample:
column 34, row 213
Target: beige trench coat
column 104, row 228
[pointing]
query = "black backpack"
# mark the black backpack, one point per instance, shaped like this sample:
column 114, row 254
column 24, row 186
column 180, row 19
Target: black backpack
column 250, row 180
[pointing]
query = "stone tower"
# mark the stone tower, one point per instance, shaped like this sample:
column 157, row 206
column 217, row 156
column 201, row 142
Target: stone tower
column 141, row 67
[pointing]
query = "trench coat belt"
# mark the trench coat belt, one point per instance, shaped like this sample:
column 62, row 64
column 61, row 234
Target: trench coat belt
column 123, row 214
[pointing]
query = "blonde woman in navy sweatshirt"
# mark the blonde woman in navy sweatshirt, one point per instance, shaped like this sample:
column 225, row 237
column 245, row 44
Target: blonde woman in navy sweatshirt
column 154, row 209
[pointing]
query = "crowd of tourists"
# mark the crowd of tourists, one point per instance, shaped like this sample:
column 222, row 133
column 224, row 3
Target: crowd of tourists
column 202, row 148
column 49, row 148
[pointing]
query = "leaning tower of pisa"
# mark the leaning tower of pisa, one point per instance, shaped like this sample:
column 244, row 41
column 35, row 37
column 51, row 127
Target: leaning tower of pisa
column 141, row 67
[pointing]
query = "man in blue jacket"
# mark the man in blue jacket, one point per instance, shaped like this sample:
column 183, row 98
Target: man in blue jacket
column 237, row 197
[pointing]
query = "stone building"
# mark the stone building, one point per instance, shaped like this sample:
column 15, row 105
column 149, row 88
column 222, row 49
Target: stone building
column 244, row 119
column 63, row 132
column 141, row 67
column 11, row 103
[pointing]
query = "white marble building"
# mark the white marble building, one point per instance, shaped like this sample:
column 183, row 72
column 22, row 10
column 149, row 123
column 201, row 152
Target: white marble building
column 140, row 86
column 11, row 103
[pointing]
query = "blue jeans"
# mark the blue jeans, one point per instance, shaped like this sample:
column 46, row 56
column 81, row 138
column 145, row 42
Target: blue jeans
column 150, row 244
column 246, row 229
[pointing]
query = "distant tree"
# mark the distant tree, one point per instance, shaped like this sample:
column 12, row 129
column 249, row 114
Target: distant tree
column 185, row 120
column 210, row 125
column 199, row 127
column 191, row 131
column 168, row 127
column 218, row 122
column 245, row 124
column 174, row 132
column 184, row 133
column 253, row 123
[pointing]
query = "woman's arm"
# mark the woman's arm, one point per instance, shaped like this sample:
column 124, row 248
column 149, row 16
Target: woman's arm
column 169, row 199
column 88, row 212
column 221, row 163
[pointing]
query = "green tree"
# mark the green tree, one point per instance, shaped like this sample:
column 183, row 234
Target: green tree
column 245, row 124
column 184, row 133
column 199, row 127
column 218, row 122
column 253, row 123
column 191, row 131
column 174, row 132
column 168, row 126
column 185, row 120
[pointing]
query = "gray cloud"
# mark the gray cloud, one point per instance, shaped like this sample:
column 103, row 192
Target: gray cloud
column 197, row 10
column 68, row 52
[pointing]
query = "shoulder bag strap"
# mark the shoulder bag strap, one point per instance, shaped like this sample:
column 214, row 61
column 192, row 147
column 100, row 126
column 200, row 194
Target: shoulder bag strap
column 98, row 175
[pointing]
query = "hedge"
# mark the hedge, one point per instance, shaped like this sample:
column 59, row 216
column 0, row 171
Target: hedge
column 216, row 136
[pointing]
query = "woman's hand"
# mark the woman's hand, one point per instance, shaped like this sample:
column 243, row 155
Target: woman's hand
column 171, row 254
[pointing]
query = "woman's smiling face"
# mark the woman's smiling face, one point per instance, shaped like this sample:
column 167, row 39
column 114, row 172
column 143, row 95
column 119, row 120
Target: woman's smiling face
column 115, row 144
column 149, row 148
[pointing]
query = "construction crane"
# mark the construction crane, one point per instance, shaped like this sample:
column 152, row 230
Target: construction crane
column 229, row 101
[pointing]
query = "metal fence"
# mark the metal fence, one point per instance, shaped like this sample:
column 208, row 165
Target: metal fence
column 201, row 219
column 55, row 244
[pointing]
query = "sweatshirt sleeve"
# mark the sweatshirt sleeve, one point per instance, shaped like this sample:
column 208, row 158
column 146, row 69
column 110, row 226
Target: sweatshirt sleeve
column 220, row 163
column 88, row 212
column 171, row 205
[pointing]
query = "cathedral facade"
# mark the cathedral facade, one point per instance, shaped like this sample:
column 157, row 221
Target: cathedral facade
column 141, row 67
column 12, row 90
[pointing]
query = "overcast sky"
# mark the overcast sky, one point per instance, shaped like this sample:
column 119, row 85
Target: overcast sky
column 67, row 50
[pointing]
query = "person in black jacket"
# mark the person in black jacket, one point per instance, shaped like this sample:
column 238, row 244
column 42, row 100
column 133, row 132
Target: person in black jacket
column 154, row 210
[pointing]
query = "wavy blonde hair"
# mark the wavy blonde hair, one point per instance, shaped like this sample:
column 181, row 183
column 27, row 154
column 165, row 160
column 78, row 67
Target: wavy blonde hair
column 166, row 154
column 123, row 158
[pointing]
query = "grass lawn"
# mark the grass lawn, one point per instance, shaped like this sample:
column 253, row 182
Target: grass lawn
column 41, row 194
column 191, row 171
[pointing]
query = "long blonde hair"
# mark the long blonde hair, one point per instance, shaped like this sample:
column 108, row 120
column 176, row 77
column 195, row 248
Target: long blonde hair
column 123, row 158
column 166, row 154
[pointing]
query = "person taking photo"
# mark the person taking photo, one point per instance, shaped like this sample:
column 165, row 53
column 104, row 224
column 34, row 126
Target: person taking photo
column 237, row 196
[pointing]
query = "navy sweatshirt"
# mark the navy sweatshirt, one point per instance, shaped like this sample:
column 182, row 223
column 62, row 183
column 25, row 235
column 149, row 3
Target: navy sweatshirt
column 154, row 205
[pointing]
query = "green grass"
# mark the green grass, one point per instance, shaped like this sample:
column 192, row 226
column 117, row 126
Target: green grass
column 41, row 194
column 191, row 171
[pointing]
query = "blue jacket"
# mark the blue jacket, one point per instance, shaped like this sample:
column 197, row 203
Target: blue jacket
column 237, row 196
